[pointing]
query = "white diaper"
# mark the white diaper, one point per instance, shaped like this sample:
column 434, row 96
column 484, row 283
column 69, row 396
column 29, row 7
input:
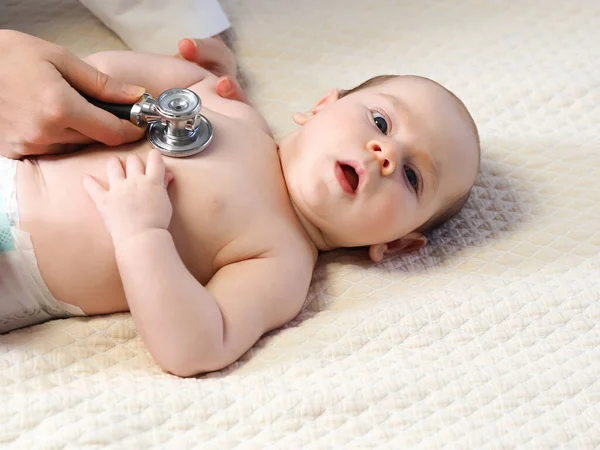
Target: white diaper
column 24, row 298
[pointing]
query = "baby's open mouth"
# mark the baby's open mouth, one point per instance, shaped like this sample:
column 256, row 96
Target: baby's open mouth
column 347, row 177
column 351, row 176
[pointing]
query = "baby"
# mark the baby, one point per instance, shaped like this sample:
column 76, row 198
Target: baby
column 212, row 251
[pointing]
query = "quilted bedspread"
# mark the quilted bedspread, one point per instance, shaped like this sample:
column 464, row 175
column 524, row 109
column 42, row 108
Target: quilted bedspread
column 487, row 338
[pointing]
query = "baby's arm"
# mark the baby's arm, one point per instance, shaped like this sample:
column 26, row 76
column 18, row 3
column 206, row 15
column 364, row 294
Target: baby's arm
column 157, row 73
column 190, row 328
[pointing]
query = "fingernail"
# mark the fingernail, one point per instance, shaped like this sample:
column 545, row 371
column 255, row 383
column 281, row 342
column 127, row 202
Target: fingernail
column 192, row 41
column 133, row 91
column 229, row 84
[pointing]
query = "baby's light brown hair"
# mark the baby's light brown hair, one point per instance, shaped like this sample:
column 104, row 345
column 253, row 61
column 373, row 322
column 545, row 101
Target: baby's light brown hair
column 455, row 205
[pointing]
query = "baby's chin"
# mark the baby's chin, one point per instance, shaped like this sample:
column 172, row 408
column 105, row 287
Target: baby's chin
column 342, row 239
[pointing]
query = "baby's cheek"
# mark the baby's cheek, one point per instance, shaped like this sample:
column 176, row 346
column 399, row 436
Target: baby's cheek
column 405, row 212
column 384, row 221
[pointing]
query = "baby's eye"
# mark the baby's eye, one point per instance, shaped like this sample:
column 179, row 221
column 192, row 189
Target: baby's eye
column 412, row 178
column 380, row 122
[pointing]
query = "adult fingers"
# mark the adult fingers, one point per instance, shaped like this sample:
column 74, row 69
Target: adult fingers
column 210, row 53
column 187, row 49
column 226, row 87
column 98, row 124
column 70, row 136
column 94, row 83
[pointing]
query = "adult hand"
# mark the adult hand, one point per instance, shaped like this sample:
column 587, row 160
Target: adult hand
column 40, row 108
column 211, row 53
column 215, row 56
column 229, row 88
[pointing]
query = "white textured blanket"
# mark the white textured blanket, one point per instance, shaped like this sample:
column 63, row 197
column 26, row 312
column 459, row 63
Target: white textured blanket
column 489, row 338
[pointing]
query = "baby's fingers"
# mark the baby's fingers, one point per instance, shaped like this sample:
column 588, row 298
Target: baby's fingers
column 155, row 166
column 93, row 188
column 135, row 166
column 168, row 178
column 114, row 170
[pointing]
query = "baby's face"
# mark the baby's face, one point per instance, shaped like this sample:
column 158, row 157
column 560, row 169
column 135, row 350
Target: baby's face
column 375, row 165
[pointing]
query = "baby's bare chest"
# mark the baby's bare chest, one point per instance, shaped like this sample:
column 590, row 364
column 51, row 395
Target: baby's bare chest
column 230, row 203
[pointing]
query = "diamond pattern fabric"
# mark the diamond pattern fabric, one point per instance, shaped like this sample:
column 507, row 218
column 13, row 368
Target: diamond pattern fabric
column 487, row 338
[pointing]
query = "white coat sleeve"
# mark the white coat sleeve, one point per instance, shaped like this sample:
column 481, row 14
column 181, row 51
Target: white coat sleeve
column 157, row 25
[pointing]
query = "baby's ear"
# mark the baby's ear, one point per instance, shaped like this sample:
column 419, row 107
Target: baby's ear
column 302, row 118
column 409, row 243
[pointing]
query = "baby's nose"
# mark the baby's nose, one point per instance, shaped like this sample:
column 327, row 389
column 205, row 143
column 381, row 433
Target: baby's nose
column 386, row 156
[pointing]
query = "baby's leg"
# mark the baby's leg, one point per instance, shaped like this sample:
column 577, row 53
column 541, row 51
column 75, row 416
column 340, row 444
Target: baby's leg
column 156, row 73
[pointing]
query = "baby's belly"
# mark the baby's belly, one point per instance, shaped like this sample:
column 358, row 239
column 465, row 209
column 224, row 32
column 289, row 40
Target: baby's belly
column 72, row 246
column 215, row 197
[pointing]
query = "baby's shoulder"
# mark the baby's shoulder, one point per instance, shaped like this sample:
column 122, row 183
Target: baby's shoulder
column 206, row 90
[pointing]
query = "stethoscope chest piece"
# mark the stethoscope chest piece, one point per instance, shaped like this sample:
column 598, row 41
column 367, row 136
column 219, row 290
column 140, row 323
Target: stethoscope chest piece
column 182, row 131
column 175, row 126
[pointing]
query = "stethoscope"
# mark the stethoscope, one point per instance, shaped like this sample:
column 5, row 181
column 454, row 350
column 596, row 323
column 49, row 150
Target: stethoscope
column 176, row 127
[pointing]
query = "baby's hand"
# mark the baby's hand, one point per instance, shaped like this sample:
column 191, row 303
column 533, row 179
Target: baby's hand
column 136, row 200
